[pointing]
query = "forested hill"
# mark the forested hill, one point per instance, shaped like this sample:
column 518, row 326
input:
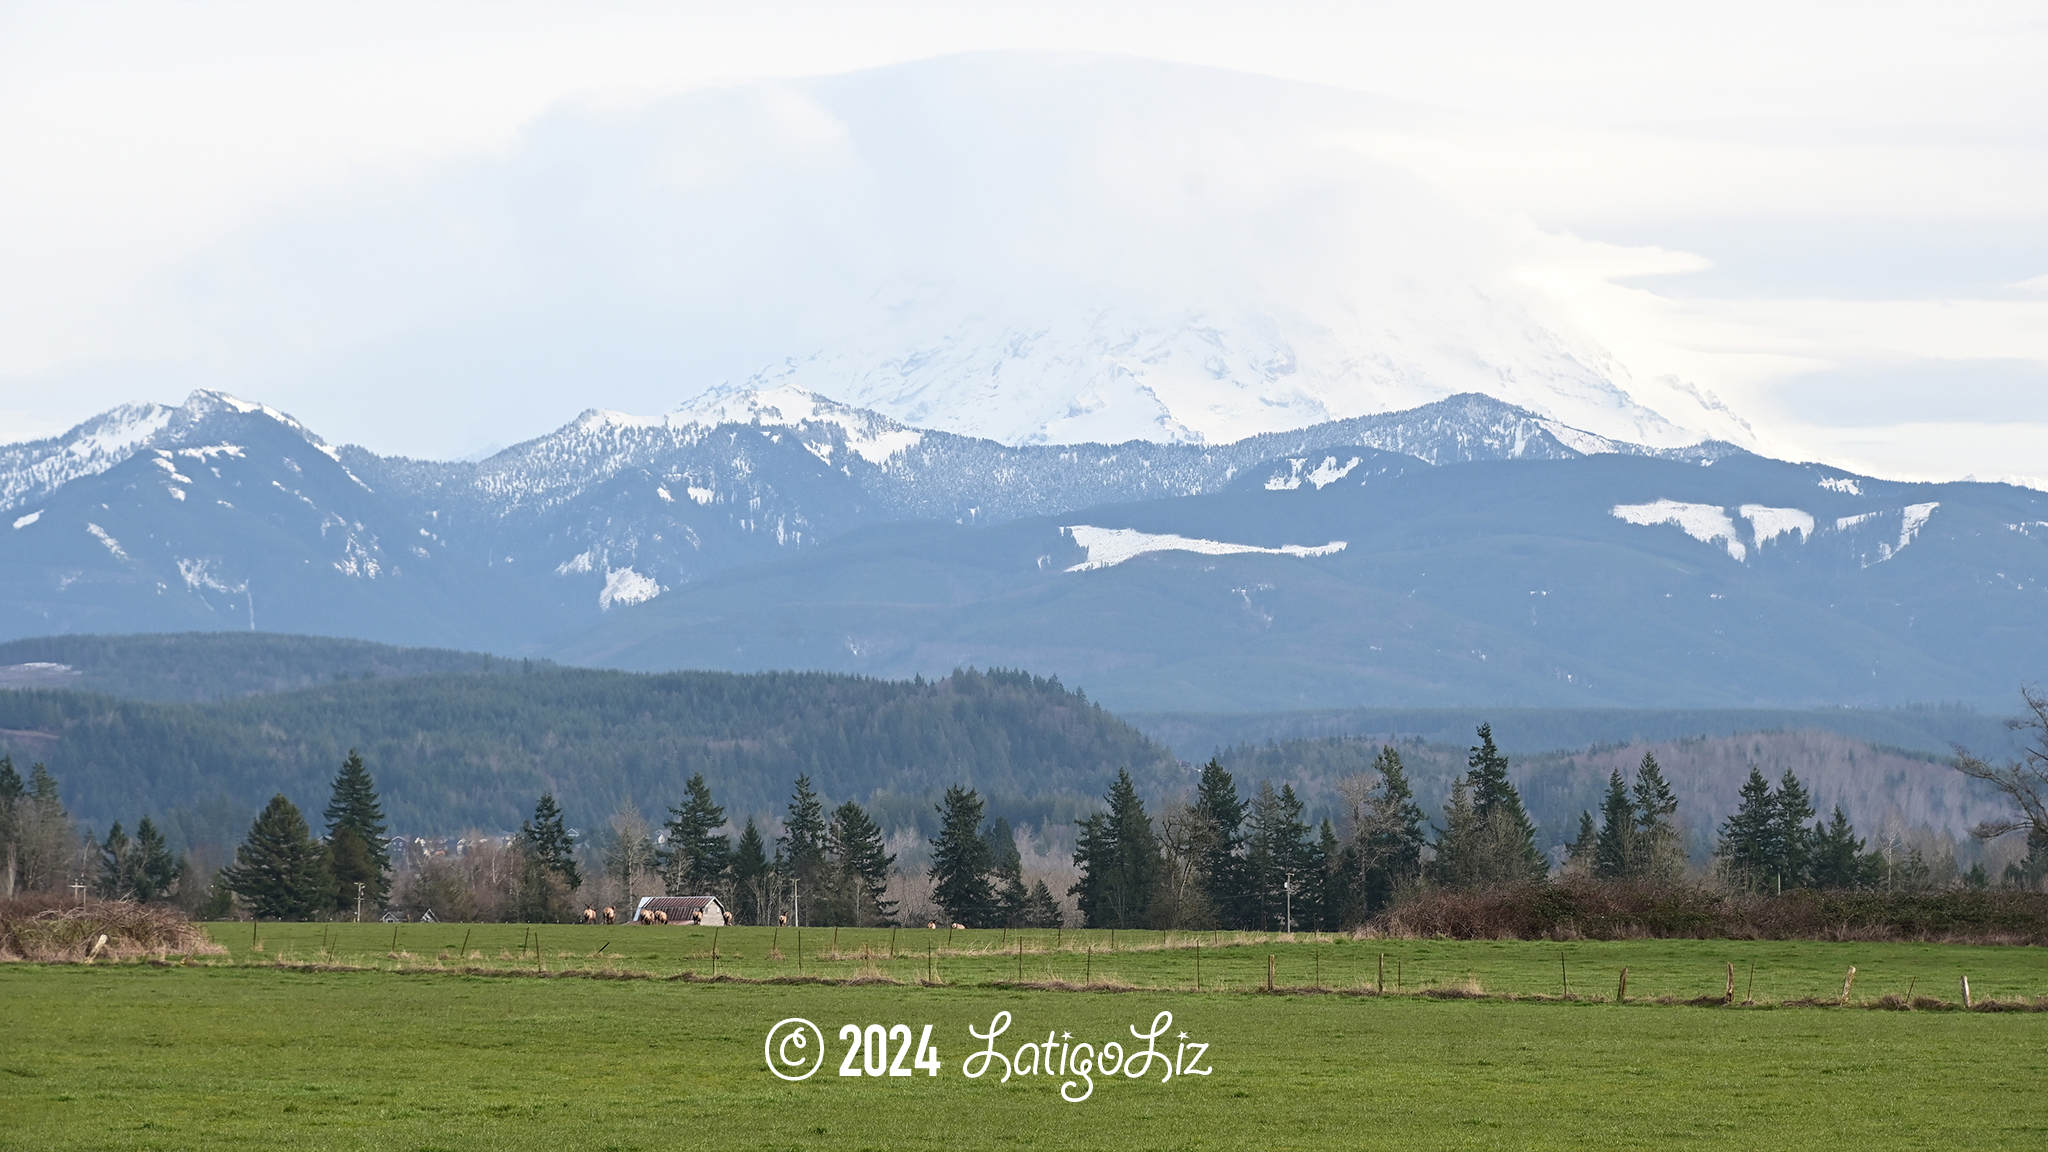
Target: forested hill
column 219, row 665
column 452, row 752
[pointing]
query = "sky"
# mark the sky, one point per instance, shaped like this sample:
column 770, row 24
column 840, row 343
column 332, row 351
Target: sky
column 1831, row 217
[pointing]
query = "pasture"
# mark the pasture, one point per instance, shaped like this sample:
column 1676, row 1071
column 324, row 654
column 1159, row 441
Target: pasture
column 233, row 1055
column 1768, row 972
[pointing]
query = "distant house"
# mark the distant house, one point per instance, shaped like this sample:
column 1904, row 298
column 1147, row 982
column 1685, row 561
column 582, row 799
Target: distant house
column 681, row 908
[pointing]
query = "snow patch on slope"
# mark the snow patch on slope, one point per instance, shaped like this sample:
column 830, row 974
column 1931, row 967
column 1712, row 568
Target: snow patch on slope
column 112, row 544
column 1767, row 524
column 1322, row 475
column 1702, row 522
column 1107, row 547
column 625, row 588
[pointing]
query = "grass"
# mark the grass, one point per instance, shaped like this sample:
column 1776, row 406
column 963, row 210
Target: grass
column 1681, row 969
column 239, row 1055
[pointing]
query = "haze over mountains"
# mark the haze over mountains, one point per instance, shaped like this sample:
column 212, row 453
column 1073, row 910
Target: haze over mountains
column 1466, row 552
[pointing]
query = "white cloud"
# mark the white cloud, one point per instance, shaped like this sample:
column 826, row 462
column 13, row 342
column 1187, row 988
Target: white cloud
column 187, row 158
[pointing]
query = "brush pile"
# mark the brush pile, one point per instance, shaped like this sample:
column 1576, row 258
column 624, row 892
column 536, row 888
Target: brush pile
column 46, row 928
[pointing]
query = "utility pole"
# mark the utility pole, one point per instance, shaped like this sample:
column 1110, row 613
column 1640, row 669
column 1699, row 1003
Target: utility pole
column 359, row 902
column 1288, row 887
column 796, row 911
column 78, row 886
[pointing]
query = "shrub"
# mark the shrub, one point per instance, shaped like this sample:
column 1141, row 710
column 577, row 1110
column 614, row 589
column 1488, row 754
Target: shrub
column 1595, row 910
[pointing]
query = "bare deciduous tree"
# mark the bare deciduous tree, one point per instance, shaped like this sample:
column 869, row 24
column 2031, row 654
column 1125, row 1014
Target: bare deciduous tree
column 2023, row 781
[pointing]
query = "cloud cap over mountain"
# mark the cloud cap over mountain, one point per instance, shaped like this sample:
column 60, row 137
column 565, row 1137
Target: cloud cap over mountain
column 1029, row 247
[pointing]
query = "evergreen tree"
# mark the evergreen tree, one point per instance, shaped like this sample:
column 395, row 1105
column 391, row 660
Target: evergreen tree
column 545, row 841
column 1118, row 855
column 2030, row 873
column 156, row 871
column 1331, row 885
column 753, row 891
column 1391, row 836
column 1749, row 838
column 1041, row 908
column 801, row 846
column 1837, row 855
column 114, row 879
column 1220, row 842
column 1277, row 855
column 960, row 860
column 862, row 867
column 695, row 859
column 1511, row 849
column 1659, row 855
column 1579, row 854
column 278, row 871
column 141, row 870
column 349, row 862
column 1614, row 854
column 1791, row 808
column 1459, row 843
column 11, row 802
column 354, row 805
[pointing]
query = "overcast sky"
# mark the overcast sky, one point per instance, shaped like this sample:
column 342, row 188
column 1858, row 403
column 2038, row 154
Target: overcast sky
column 1833, row 216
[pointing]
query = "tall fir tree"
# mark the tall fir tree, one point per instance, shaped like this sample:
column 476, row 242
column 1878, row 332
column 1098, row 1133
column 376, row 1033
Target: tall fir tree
column 1391, row 837
column 12, row 795
column 753, row 894
column 1332, row 893
column 801, row 847
column 1220, row 854
column 1118, row 855
column 960, row 861
column 278, row 871
column 113, row 881
column 1460, row 843
column 697, row 855
column 354, row 804
column 545, row 841
column 1791, row 808
column 1659, row 854
column 1277, row 853
column 156, row 871
column 349, row 862
column 1749, row 849
column 1511, row 838
column 1614, row 854
column 861, row 865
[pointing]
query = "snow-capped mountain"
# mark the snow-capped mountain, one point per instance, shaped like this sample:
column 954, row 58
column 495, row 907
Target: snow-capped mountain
column 776, row 528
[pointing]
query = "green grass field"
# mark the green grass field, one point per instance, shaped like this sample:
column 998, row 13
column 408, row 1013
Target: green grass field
column 241, row 1055
column 1683, row 969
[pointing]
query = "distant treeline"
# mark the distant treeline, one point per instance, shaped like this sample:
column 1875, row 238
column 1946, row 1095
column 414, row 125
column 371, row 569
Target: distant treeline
column 466, row 751
column 202, row 666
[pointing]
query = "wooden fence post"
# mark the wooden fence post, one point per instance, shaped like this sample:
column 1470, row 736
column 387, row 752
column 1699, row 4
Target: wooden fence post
column 1621, row 990
column 1967, row 1002
column 1848, row 982
column 1269, row 971
column 1730, row 999
column 1383, row 974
